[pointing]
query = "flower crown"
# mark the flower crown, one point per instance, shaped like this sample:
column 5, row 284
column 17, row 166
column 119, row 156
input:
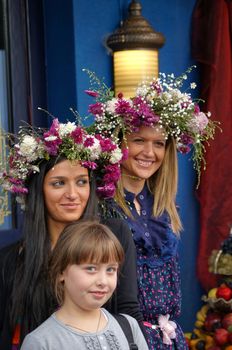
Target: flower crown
column 69, row 140
column 158, row 102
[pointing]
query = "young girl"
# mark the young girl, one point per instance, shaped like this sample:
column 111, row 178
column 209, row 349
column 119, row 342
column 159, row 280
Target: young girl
column 84, row 268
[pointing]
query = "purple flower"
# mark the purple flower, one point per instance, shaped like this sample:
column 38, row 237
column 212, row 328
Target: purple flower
column 106, row 191
column 52, row 147
column 112, row 173
column 143, row 114
column 53, row 131
column 184, row 149
column 89, row 141
column 96, row 108
column 185, row 104
column 157, row 87
column 88, row 164
column 186, row 139
column 98, row 136
column 91, row 93
column 77, row 135
column 107, row 145
column 122, row 107
column 15, row 181
column 125, row 153
column 196, row 109
column 20, row 190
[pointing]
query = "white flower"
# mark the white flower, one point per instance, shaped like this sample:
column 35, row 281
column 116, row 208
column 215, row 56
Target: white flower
column 95, row 150
column 28, row 146
column 50, row 138
column 141, row 91
column 110, row 106
column 166, row 97
column 175, row 93
column 116, row 156
column 35, row 169
column 66, row 129
column 193, row 86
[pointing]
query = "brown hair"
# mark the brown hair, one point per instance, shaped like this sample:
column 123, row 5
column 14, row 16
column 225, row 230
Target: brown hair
column 163, row 185
column 83, row 242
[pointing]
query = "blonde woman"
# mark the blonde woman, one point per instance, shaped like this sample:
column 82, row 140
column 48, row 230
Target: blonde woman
column 150, row 128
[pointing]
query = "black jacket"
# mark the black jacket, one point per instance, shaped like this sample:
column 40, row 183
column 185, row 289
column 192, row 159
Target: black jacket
column 124, row 299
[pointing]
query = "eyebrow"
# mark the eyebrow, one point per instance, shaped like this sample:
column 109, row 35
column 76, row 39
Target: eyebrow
column 64, row 177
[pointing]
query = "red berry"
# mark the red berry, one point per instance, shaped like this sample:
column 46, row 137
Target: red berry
column 224, row 292
column 221, row 336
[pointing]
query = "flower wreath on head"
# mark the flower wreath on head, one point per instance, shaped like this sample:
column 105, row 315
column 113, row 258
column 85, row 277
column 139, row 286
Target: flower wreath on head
column 33, row 145
column 157, row 103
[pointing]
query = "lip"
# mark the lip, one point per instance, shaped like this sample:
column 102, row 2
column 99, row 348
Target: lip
column 70, row 205
column 98, row 294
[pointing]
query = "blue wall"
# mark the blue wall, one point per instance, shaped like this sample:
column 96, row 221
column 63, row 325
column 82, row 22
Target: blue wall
column 75, row 33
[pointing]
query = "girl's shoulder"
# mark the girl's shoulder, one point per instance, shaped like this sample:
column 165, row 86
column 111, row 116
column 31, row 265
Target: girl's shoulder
column 134, row 333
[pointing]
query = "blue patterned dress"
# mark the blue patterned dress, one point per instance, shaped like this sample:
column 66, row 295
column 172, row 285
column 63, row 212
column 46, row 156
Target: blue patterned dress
column 157, row 268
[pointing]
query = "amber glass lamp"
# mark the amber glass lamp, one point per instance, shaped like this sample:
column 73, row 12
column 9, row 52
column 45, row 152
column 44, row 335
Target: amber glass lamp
column 135, row 51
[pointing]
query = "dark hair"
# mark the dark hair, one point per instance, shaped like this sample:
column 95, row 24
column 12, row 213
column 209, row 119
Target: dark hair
column 32, row 300
column 83, row 242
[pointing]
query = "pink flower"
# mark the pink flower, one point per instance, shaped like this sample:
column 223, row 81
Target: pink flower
column 20, row 190
column 77, row 135
column 107, row 145
column 53, row 129
column 15, row 181
column 122, row 107
column 186, row 139
column 106, row 191
column 112, row 173
column 185, row 104
column 196, row 109
column 96, row 108
column 89, row 141
column 125, row 153
column 89, row 165
column 91, row 93
column 157, row 87
column 184, row 149
column 202, row 120
column 52, row 147
column 199, row 122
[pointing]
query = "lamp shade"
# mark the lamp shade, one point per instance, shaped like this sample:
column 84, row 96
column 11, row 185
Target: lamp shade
column 131, row 67
column 135, row 51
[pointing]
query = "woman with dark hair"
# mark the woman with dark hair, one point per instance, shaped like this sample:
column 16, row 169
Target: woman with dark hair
column 53, row 174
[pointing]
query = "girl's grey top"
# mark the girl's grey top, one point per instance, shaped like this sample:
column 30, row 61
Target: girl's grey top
column 55, row 335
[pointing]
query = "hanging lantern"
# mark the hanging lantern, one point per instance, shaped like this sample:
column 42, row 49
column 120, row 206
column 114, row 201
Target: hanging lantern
column 135, row 51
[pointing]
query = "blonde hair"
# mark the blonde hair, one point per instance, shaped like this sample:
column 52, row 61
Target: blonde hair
column 83, row 242
column 163, row 185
